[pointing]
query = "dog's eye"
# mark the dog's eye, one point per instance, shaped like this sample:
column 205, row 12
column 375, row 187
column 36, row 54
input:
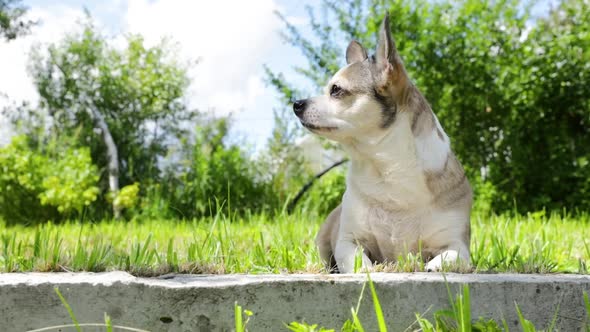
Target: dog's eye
column 335, row 91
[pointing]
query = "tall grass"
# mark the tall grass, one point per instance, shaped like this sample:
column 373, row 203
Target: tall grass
column 283, row 243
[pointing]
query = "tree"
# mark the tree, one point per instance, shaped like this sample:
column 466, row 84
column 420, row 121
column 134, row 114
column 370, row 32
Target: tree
column 515, row 99
column 12, row 24
column 126, row 103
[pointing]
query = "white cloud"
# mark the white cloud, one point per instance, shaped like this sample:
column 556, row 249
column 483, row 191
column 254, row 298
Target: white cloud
column 54, row 21
column 298, row 21
column 231, row 39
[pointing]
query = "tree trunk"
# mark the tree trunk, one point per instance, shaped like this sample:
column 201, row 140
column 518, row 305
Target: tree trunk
column 112, row 155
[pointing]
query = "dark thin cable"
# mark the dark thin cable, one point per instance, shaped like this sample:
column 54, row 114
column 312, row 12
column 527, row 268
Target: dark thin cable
column 292, row 204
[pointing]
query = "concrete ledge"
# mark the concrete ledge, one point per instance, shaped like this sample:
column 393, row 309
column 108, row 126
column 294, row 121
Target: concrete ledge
column 205, row 303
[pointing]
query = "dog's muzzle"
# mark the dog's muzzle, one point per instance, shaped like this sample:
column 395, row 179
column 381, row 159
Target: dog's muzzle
column 299, row 106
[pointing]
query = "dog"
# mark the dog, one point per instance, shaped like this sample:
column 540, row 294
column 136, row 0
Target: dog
column 406, row 192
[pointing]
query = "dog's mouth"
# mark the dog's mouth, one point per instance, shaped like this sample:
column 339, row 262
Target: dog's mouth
column 317, row 128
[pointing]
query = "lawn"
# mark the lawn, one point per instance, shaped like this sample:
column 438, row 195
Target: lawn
column 533, row 243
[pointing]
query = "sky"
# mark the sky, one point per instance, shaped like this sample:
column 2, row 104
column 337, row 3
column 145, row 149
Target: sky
column 231, row 39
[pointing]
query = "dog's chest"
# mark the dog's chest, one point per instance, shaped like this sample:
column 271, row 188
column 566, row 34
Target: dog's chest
column 391, row 174
column 394, row 226
column 402, row 187
column 386, row 234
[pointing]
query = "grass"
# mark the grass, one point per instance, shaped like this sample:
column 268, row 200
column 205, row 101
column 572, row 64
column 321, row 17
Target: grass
column 533, row 243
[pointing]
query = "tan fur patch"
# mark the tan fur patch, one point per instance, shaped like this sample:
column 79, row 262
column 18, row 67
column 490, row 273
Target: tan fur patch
column 449, row 186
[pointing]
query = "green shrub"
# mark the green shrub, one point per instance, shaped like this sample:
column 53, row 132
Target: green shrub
column 44, row 184
column 326, row 193
column 69, row 182
column 212, row 175
column 128, row 196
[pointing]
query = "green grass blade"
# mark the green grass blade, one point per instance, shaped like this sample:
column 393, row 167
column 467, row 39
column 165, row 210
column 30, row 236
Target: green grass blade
column 377, row 306
column 450, row 295
column 587, row 304
column 69, row 309
column 108, row 323
column 425, row 325
column 238, row 318
column 554, row 319
column 527, row 326
column 356, row 321
column 358, row 260
column 465, row 310
column 505, row 325
column 358, row 304
column 37, row 243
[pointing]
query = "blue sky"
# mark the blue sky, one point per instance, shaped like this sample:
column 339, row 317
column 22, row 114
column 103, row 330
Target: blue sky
column 232, row 39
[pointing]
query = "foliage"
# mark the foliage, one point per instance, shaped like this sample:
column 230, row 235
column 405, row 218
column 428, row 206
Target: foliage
column 45, row 184
column 138, row 90
column 511, row 91
column 128, row 196
column 165, row 169
column 70, row 183
column 326, row 194
column 213, row 174
column 286, row 166
column 12, row 24
column 20, row 183
column 239, row 318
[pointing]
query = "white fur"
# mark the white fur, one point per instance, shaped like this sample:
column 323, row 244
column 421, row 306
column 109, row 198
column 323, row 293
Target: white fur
column 433, row 151
column 446, row 257
column 387, row 198
column 387, row 207
column 386, row 167
column 387, row 174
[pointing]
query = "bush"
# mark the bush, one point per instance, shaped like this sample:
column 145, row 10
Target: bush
column 326, row 193
column 128, row 196
column 211, row 175
column 44, row 184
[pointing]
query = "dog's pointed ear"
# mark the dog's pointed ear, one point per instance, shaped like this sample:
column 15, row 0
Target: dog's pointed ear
column 355, row 52
column 385, row 57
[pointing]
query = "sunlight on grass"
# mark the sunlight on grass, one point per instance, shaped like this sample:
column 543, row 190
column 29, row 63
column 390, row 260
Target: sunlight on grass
column 535, row 243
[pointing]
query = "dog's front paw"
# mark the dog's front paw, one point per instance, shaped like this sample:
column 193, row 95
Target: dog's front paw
column 446, row 258
column 435, row 265
column 355, row 264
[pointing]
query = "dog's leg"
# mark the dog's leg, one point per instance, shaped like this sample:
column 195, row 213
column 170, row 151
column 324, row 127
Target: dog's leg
column 353, row 219
column 454, row 254
column 326, row 239
column 346, row 253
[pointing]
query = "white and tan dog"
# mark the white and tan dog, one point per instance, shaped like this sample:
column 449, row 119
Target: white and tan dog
column 405, row 190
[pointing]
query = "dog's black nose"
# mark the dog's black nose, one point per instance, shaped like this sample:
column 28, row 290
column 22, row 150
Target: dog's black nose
column 299, row 106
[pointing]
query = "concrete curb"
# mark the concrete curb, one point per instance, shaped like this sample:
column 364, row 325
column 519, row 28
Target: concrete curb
column 206, row 303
